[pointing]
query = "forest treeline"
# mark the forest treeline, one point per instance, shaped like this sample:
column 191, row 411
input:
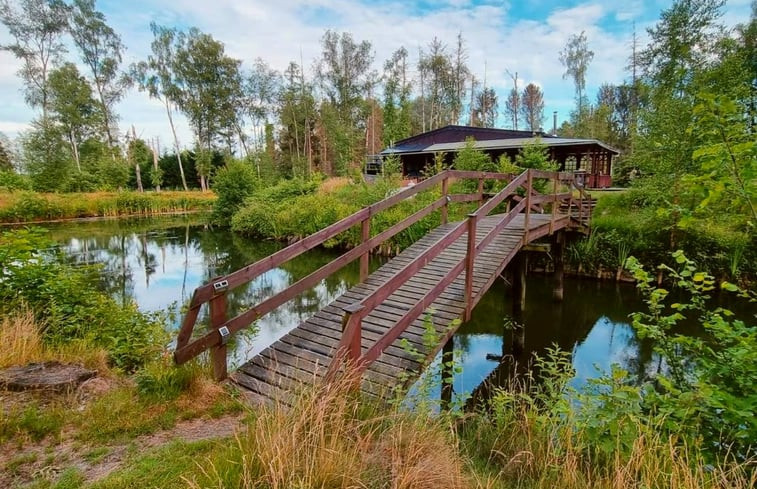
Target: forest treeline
column 285, row 123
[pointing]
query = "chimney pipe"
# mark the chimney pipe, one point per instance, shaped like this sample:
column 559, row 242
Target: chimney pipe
column 554, row 123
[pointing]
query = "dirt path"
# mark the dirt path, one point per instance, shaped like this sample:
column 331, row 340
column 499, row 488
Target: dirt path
column 47, row 459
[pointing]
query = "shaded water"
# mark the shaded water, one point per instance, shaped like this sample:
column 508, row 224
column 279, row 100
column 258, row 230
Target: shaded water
column 158, row 262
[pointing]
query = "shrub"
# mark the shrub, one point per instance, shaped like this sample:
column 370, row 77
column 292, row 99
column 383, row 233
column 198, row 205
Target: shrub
column 10, row 180
column 162, row 380
column 233, row 184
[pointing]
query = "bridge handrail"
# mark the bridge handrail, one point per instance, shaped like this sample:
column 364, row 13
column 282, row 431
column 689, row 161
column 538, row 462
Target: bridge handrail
column 350, row 346
column 215, row 291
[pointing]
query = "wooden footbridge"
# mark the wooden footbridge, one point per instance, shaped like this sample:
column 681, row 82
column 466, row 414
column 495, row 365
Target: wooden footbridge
column 381, row 327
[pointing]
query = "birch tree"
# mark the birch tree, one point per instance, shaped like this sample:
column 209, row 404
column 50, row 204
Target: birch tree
column 156, row 77
column 101, row 51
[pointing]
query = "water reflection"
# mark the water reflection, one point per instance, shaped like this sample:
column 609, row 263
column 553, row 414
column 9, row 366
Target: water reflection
column 592, row 322
column 158, row 263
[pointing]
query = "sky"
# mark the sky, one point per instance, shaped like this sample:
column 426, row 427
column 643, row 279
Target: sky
column 501, row 37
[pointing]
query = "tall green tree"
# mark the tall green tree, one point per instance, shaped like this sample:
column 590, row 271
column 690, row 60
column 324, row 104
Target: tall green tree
column 73, row 107
column 532, row 107
column 156, row 77
column 101, row 51
column 397, row 105
column 260, row 90
column 6, row 158
column 485, row 108
column 438, row 86
column 296, row 110
column 513, row 107
column 345, row 76
column 576, row 57
column 208, row 83
column 37, row 27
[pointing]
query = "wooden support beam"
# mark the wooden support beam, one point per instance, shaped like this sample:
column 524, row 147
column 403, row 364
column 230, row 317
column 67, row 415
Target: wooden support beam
column 538, row 247
column 365, row 231
column 557, row 257
column 445, row 192
column 470, row 257
column 448, row 374
column 217, row 323
column 520, row 266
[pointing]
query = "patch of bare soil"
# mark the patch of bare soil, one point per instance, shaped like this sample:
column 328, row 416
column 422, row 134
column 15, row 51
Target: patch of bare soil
column 25, row 461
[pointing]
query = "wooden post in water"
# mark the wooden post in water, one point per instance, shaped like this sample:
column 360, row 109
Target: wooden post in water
column 520, row 266
column 217, row 321
column 558, row 258
column 445, row 192
column 447, row 373
column 365, row 231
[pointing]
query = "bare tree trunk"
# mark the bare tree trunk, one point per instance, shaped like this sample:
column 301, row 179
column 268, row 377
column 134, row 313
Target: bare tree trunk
column 137, row 169
column 176, row 145
column 242, row 140
column 155, row 165
column 75, row 150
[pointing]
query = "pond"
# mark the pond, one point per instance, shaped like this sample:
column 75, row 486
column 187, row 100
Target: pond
column 157, row 262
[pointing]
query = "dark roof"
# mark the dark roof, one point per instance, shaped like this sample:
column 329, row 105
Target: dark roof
column 454, row 134
column 452, row 138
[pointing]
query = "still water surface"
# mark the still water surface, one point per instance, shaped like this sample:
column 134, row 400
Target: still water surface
column 158, row 262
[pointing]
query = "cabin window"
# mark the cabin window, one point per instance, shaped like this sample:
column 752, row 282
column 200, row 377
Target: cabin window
column 571, row 163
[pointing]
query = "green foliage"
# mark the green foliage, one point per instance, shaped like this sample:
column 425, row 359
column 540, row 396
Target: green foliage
column 46, row 158
column 709, row 392
column 535, row 156
column 391, row 166
column 471, row 159
column 233, row 184
column 162, row 380
column 293, row 209
column 727, row 176
column 10, row 180
column 65, row 300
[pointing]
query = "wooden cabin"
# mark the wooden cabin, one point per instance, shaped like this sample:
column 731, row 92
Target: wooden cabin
column 589, row 157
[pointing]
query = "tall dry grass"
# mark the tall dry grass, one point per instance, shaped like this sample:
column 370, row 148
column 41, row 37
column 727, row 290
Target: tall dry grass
column 21, row 340
column 328, row 438
column 535, row 449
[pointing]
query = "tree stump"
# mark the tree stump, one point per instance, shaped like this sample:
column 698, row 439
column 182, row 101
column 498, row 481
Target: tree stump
column 48, row 376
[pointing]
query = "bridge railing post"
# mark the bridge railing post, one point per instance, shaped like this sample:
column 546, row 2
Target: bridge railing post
column 217, row 323
column 527, row 217
column 470, row 257
column 554, row 203
column 365, row 233
column 352, row 326
column 480, row 191
column 445, row 192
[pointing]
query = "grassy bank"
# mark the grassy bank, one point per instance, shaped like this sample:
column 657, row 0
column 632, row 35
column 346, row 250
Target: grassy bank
column 27, row 206
column 294, row 209
column 626, row 224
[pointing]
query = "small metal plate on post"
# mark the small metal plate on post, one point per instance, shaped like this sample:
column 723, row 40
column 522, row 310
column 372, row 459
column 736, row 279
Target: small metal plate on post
column 221, row 285
column 225, row 334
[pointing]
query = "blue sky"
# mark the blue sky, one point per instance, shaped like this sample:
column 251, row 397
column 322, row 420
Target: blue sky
column 501, row 36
